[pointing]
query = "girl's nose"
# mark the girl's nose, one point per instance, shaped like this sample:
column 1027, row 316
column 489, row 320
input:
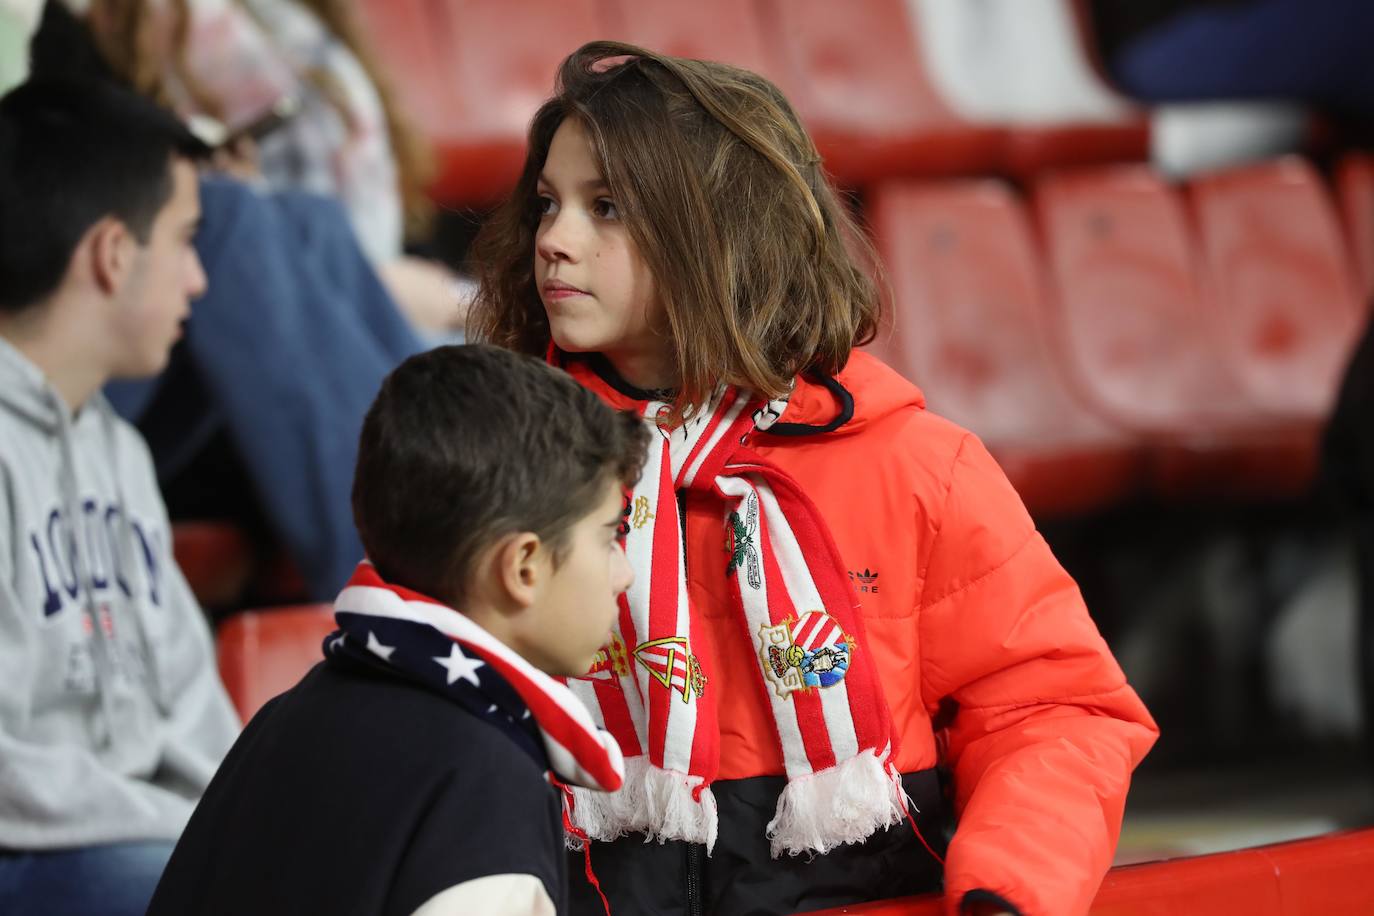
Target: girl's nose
column 554, row 240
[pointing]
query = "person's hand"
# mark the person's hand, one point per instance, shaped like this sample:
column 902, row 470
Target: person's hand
column 433, row 297
column 238, row 158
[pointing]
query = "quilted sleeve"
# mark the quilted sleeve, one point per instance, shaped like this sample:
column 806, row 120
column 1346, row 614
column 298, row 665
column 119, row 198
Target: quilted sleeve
column 1045, row 730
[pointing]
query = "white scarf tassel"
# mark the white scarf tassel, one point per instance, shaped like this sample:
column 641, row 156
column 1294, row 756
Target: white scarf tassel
column 657, row 802
column 847, row 803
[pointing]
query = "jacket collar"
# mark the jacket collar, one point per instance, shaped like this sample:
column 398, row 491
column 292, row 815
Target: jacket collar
column 819, row 404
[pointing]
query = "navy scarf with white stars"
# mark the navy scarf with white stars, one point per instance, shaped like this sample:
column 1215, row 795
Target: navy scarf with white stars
column 413, row 636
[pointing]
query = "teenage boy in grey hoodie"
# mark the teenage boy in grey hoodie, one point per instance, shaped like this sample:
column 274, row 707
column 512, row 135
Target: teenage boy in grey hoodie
column 112, row 716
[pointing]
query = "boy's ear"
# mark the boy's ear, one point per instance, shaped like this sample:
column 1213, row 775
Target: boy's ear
column 110, row 249
column 520, row 562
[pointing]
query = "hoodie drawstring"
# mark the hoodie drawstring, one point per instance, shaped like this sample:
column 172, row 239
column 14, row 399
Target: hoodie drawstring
column 103, row 652
column 104, row 643
column 123, row 548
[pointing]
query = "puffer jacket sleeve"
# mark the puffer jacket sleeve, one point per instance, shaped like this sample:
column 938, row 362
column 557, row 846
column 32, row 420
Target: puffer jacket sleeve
column 1045, row 730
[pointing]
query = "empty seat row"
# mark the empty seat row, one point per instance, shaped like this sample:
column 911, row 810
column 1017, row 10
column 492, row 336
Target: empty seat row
column 1110, row 332
column 859, row 73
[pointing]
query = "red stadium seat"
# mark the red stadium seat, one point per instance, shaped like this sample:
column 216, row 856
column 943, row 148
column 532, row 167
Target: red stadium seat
column 1280, row 282
column 1355, row 185
column 217, row 560
column 1032, row 150
column 722, row 30
column 968, row 325
column 474, row 79
column 1127, row 301
column 854, row 73
column 265, row 652
column 1142, row 343
column 226, row 569
column 1323, row 876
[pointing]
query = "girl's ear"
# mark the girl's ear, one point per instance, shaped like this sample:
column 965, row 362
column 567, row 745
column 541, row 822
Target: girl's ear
column 519, row 568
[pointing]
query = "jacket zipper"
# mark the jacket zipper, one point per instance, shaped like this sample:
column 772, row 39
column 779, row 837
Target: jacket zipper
column 695, row 905
column 682, row 526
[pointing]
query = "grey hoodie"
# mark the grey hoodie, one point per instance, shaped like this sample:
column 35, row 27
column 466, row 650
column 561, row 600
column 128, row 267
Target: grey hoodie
column 112, row 715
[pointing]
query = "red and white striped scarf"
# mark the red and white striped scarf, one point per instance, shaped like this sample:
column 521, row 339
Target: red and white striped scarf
column 651, row 686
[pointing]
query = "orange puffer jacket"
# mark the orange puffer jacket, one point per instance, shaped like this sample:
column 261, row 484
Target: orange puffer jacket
column 970, row 618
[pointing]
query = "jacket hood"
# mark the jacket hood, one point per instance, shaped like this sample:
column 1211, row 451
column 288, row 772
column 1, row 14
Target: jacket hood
column 866, row 390
column 25, row 392
column 817, row 405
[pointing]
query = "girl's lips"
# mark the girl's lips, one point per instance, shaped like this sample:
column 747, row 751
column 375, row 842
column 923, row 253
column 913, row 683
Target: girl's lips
column 555, row 290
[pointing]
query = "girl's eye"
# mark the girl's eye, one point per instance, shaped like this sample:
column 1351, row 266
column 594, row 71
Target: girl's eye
column 545, row 205
column 605, row 208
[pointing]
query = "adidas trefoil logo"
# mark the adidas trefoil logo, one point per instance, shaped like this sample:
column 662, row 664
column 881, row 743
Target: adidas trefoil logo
column 865, row 582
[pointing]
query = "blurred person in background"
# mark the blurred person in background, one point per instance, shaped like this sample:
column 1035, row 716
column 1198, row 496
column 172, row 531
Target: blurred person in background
column 256, row 418
column 291, row 93
column 112, row 718
column 1198, row 50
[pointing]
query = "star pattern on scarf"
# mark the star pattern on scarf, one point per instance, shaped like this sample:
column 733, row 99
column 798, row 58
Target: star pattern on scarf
column 374, row 645
column 389, row 626
column 459, row 665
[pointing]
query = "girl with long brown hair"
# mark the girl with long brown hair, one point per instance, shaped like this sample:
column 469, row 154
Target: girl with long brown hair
column 838, row 595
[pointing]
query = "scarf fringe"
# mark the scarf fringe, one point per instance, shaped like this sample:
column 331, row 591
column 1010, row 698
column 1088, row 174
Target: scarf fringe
column 663, row 804
column 606, row 816
column 682, row 807
column 847, row 803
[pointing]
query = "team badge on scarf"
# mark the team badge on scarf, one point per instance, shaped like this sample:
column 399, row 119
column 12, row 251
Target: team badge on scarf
column 416, row 636
column 793, row 595
column 805, row 653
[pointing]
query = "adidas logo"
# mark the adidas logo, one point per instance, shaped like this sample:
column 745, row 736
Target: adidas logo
column 865, row 581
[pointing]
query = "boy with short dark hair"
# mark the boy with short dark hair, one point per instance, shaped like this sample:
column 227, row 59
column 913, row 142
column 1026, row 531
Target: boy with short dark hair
column 112, row 716
column 410, row 771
